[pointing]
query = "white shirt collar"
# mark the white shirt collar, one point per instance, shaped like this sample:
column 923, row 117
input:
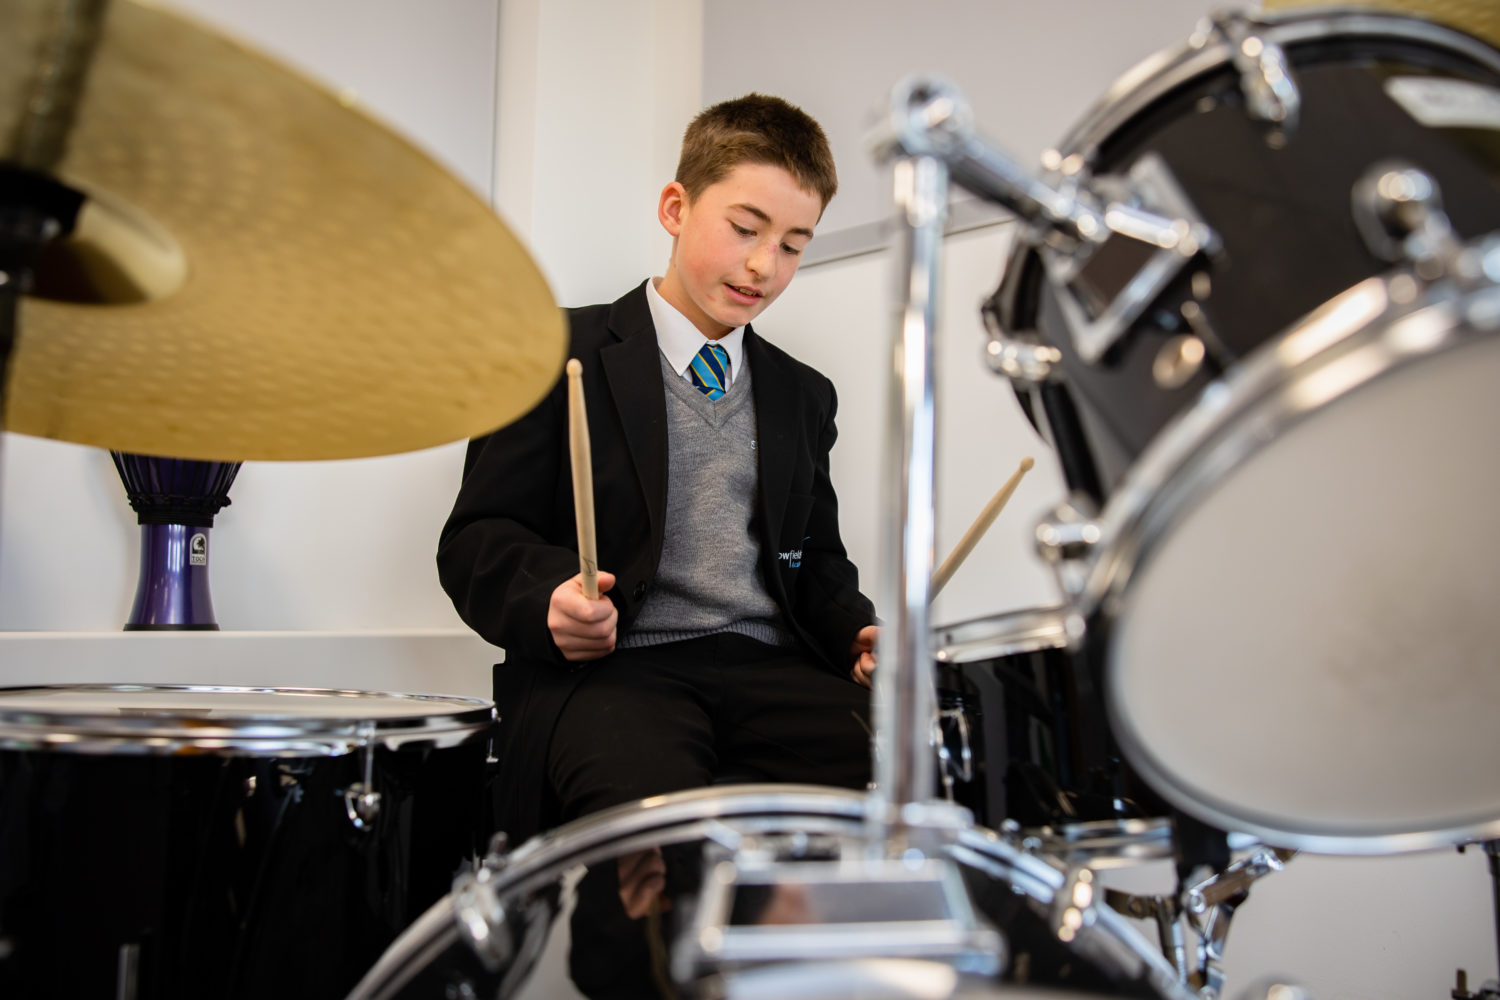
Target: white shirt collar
column 680, row 340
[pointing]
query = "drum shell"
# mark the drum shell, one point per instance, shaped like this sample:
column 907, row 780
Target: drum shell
column 1282, row 211
column 1038, row 732
column 221, row 873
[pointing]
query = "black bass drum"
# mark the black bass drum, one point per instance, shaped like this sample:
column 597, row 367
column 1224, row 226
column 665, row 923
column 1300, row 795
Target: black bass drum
column 1282, row 596
column 176, row 841
column 619, row 904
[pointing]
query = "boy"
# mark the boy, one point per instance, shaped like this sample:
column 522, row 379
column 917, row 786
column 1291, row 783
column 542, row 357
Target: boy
column 730, row 636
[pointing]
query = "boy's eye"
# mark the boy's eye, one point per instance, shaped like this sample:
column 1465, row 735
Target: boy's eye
column 788, row 248
column 741, row 230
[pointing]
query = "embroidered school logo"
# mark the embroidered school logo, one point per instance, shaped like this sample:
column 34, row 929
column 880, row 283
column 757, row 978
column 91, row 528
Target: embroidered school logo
column 792, row 558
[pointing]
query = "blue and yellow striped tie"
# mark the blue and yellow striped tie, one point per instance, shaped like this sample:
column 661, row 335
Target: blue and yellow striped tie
column 710, row 370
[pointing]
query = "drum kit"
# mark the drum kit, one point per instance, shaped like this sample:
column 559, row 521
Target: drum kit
column 1252, row 305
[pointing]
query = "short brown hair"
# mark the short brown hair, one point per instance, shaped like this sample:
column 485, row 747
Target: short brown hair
column 756, row 128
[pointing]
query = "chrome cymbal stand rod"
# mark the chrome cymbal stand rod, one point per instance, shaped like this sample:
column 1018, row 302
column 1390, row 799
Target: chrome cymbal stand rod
column 904, row 763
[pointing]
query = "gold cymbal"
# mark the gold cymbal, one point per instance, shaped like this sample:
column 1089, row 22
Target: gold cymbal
column 1480, row 18
column 273, row 274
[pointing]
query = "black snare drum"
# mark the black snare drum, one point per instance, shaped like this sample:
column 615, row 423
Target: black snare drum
column 227, row 842
column 1285, row 603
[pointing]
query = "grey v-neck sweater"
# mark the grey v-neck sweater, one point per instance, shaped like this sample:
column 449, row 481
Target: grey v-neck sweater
column 709, row 579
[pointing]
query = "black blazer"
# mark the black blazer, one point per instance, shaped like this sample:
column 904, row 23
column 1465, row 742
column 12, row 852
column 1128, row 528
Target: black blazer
column 512, row 536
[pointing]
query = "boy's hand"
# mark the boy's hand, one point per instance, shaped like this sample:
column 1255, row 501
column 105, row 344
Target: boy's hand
column 583, row 629
column 863, row 652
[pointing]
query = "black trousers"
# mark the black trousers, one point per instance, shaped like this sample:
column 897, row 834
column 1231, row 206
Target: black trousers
column 659, row 719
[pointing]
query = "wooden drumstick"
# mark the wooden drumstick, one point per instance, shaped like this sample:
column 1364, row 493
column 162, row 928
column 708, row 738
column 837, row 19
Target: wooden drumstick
column 978, row 528
column 583, row 480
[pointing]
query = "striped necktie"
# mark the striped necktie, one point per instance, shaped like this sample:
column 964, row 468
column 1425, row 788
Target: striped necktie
column 710, row 370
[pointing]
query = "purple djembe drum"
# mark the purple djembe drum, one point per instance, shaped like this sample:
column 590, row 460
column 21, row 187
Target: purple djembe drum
column 175, row 500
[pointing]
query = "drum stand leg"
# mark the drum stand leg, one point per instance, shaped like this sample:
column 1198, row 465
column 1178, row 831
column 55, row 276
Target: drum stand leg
column 1208, row 904
column 1490, row 988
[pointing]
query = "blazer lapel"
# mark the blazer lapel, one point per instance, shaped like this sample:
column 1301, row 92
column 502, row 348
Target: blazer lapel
column 633, row 370
column 776, row 428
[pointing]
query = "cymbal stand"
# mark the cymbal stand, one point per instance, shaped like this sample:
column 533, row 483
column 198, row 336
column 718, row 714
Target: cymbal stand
column 34, row 211
column 34, row 208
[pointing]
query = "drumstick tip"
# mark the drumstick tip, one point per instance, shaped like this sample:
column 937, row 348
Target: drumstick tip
column 574, row 368
column 1027, row 463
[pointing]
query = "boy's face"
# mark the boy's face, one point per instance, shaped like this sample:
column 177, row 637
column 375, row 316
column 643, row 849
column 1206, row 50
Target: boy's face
column 736, row 246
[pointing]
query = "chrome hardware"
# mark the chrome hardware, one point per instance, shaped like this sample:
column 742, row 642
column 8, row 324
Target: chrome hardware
column 957, row 762
column 1142, row 225
column 1153, row 249
column 929, row 117
column 128, row 971
column 499, row 846
column 1271, row 95
column 1065, row 539
column 481, row 919
column 1075, row 907
column 1237, row 878
column 1398, row 210
column 361, row 801
column 361, row 806
column 1022, row 360
column 1210, row 905
column 1179, row 359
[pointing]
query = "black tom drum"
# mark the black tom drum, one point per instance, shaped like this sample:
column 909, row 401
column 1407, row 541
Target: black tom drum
column 1372, row 87
column 1024, row 739
column 175, row 841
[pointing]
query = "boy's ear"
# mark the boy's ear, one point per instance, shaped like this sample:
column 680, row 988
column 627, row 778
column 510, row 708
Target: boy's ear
column 672, row 207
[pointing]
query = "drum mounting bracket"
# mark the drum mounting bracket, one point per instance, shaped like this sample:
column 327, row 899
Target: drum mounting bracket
column 1104, row 286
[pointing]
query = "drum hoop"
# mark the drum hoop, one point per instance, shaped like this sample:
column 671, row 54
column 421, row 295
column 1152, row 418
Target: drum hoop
column 1308, row 837
column 1028, row 631
column 252, row 734
column 569, row 844
column 1142, row 85
column 1235, row 418
column 693, row 814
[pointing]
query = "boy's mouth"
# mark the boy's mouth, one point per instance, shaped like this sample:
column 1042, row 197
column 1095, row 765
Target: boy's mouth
column 749, row 293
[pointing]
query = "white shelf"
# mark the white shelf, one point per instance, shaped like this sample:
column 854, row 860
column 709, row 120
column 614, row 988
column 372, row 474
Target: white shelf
column 413, row 661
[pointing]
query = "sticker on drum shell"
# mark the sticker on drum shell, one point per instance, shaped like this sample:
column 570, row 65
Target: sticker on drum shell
column 1440, row 102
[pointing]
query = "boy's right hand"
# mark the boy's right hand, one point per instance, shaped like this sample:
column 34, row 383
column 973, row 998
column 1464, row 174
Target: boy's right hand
column 582, row 629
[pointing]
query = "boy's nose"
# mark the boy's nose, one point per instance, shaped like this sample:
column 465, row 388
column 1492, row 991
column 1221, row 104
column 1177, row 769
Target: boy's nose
column 762, row 261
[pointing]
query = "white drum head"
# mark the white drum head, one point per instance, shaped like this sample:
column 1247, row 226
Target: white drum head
column 1309, row 652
